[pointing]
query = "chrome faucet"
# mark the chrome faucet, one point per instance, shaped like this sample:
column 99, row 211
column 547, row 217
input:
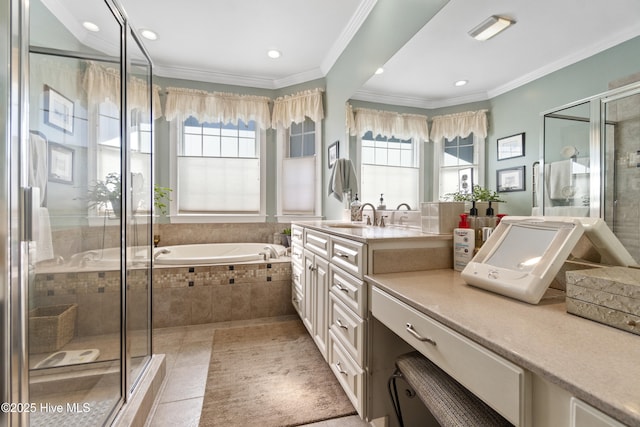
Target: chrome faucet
column 403, row 204
column 375, row 220
column 160, row 252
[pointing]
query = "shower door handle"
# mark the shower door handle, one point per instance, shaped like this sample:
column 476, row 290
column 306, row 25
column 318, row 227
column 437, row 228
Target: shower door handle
column 29, row 203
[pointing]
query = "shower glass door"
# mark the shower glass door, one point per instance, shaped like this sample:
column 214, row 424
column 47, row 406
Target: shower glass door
column 75, row 290
column 621, row 182
column 567, row 161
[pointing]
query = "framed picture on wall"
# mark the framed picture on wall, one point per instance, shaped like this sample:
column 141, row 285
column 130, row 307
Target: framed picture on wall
column 58, row 110
column 333, row 153
column 60, row 163
column 511, row 146
column 511, row 179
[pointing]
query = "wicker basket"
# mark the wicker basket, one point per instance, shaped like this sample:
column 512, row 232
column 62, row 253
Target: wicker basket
column 51, row 327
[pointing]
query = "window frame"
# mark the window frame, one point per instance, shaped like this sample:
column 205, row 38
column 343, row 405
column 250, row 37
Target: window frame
column 176, row 132
column 419, row 156
column 438, row 167
column 282, row 152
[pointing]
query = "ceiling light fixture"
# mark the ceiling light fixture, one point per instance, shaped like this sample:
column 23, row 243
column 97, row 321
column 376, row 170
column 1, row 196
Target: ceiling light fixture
column 461, row 83
column 273, row 53
column 490, row 27
column 380, row 70
column 91, row 26
column 149, row 34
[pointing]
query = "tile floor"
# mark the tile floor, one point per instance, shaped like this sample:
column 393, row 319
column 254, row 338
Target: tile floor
column 187, row 351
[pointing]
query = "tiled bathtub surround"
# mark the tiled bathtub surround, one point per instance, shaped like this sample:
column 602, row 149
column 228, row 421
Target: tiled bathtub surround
column 219, row 293
column 181, row 295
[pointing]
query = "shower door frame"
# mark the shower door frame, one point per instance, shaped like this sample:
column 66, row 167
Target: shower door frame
column 597, row 123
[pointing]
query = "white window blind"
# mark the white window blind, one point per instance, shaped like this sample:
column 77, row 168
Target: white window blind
column 298, row 184
column 398, row 184
column 215, row 184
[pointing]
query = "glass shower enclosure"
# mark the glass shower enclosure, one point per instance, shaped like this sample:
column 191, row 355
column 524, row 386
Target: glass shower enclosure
column 77, row 142
column 591, row 162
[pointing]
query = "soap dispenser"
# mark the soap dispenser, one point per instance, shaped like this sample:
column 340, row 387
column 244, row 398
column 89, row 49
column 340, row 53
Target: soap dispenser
column 356, row 209
column 381, row 206
column 463, row 243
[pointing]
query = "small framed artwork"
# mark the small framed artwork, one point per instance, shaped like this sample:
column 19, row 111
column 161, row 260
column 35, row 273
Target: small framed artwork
column 333, row 153
column 60, row 163
column 511, row 179
column 511, row 146
column 58, row 110
column 465, row 181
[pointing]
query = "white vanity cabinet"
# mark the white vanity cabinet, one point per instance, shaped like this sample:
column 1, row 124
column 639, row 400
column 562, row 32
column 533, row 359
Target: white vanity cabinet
column 297, row 270
column 316, row 283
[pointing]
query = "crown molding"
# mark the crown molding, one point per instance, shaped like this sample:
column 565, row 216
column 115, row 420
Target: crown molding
column 408, row 101
column 575, row 57
column 354, row 24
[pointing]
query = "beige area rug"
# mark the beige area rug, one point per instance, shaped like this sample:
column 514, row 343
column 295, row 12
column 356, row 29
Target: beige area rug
column 270, row 376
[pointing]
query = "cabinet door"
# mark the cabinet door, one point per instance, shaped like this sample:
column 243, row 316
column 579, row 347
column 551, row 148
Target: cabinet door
column 321, row 306
column 307, row 290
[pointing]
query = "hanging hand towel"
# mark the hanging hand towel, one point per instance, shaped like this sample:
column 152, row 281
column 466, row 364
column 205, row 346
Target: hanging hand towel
column 343, row 179
column 559, row 178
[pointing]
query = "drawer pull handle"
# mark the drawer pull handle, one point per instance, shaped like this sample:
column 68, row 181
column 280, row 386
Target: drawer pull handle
column 312, row 268
column 418, row 336
column 339, row 368
column 633, row 323
column 296, row 276
column 341, row 288
column 341, row 325
column 341, row 255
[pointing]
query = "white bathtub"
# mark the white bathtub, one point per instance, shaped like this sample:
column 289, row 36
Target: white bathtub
column 197, row 254
column 216, row 253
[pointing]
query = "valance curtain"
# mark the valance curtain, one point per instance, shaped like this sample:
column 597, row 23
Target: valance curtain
column 390, row 124
column 217, row 107
column 102, row 84
column 459, row 124
column 293, row 108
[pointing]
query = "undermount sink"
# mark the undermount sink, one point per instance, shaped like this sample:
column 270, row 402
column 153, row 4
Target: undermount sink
column 347, row 225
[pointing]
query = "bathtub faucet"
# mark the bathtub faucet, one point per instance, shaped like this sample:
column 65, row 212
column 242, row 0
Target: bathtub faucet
column 156, row 254
column 272, row 253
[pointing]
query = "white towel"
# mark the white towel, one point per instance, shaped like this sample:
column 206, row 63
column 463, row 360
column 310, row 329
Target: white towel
column 41, row 248
column 39, row 170
column 343, row 179
column 559, row 177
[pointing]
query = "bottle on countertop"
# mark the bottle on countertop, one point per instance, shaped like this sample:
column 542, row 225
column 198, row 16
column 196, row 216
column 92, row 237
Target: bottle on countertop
column 356, row 212
column 381, row 206
column 463, row 243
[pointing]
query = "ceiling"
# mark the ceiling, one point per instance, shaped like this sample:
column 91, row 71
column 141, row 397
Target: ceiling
column 226, row 41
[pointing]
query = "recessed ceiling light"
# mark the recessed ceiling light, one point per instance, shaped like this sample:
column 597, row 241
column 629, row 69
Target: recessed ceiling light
column 149, row 35
column 490, row 27
column 273, row 53
column 91, row 26
column 461, row 82
column 380, row 70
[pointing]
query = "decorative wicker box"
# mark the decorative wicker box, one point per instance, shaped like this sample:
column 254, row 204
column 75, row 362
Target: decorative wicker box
column 609, row 295
column 51, row 327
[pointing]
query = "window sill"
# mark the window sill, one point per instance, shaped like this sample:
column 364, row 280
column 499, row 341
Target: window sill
column 196, row 219
column 291, row 218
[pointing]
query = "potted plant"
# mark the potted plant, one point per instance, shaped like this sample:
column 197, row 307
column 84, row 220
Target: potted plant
column 482, row 196
column 286, row 237
column 108, row 193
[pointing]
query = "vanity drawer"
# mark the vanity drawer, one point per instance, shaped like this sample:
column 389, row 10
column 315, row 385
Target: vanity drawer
column 501, row 384
column 351, row 291
column 347, row 327
column 349, row 374
column 296, row 299
column 317, row 242
column 296, row 254
column 297, row 235
column 349, row 255
column 296, row 276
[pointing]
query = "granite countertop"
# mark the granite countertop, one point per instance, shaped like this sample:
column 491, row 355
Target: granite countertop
column 596, row 363
column 365, row 234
